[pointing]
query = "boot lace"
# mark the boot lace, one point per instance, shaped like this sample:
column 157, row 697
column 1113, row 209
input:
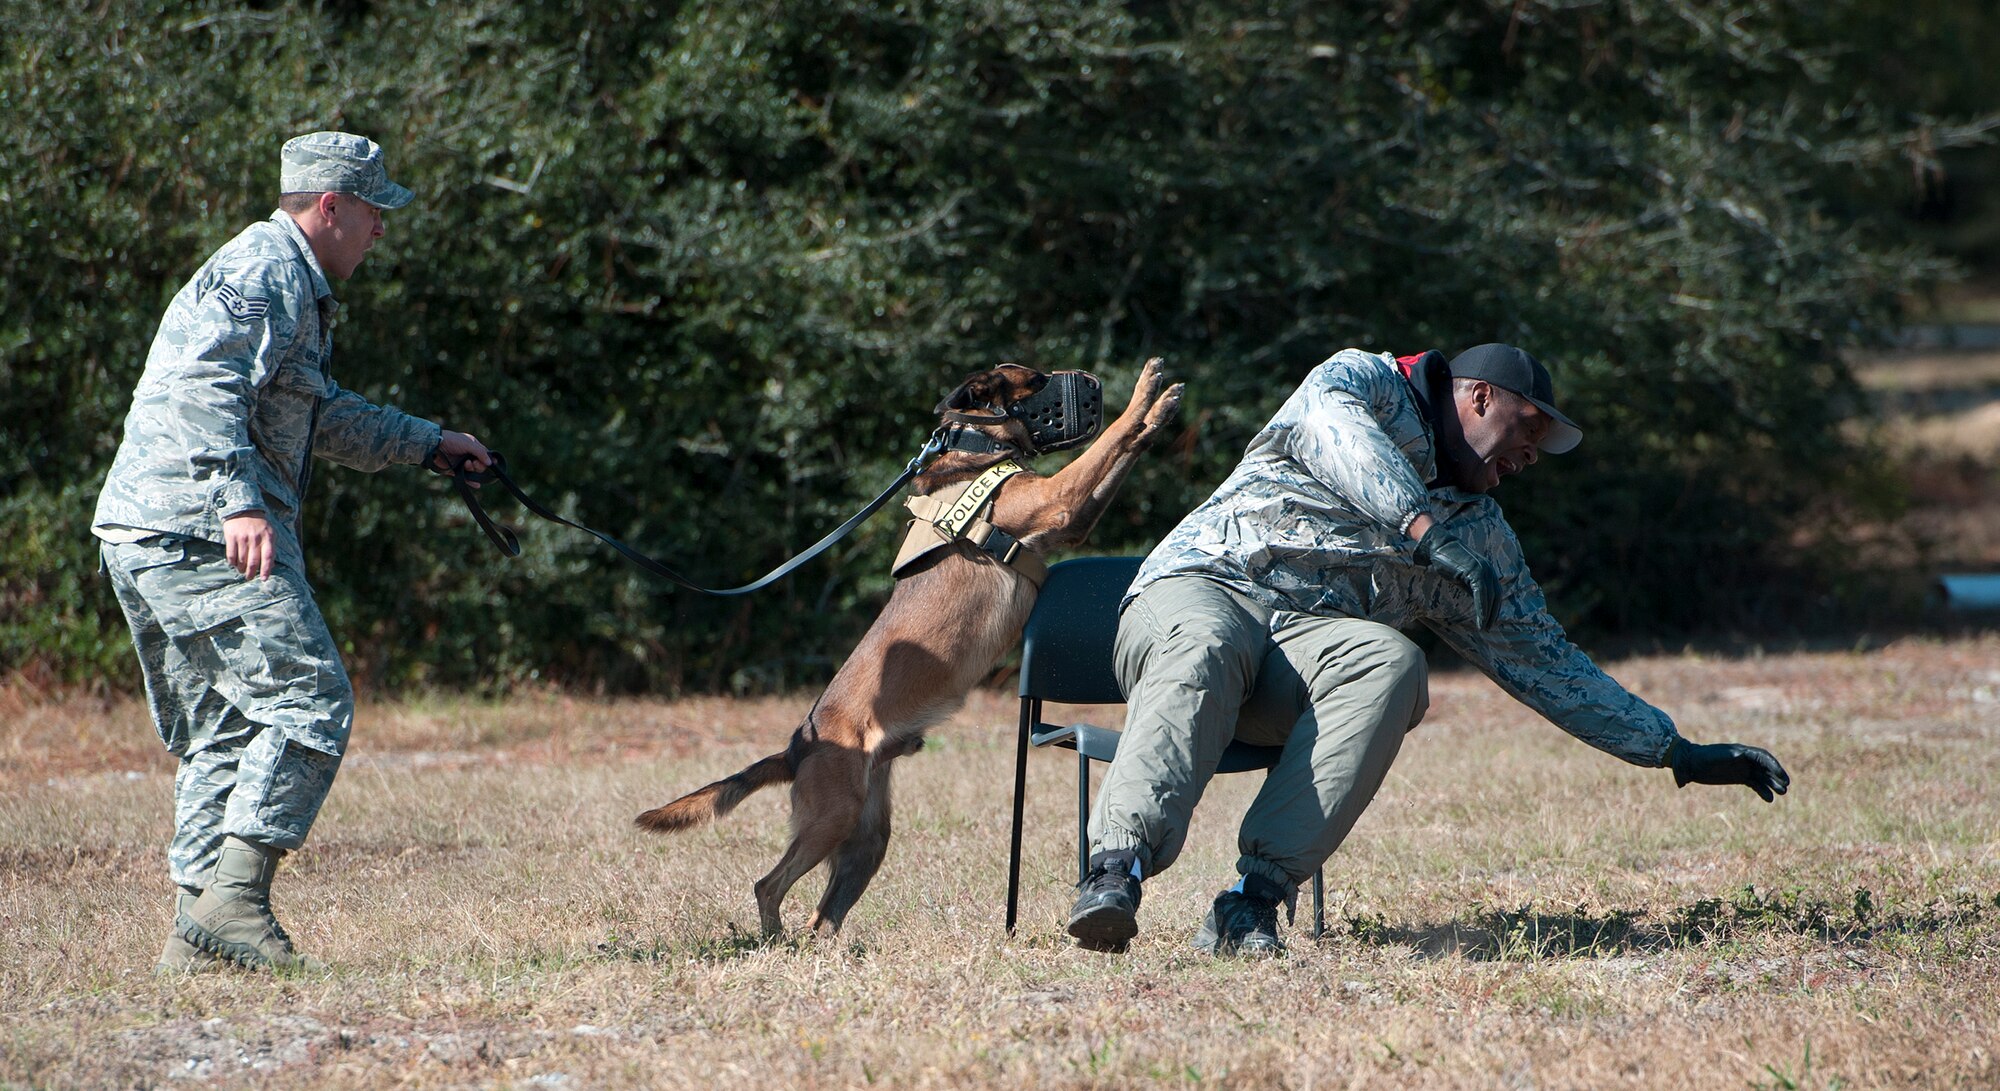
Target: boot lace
column 1243, row 915
column 262, row 901
column 1106, row 879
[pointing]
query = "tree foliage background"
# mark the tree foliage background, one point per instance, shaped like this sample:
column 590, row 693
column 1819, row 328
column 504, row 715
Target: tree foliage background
column 701, row 270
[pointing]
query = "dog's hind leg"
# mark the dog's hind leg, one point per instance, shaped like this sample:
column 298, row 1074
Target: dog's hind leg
column 827, row 800
column 854, row 864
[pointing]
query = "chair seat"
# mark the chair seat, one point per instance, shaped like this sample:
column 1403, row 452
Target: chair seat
column 1101, row 744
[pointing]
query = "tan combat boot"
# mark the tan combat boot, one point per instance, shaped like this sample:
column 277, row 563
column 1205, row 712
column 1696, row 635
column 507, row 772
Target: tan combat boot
column 232, row 918
column 180, row 956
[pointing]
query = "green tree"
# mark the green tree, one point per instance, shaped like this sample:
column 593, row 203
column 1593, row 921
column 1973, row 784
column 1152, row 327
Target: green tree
column 701, row 270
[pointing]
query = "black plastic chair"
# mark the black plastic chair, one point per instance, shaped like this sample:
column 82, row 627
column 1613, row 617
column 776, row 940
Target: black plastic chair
column 1066, row 658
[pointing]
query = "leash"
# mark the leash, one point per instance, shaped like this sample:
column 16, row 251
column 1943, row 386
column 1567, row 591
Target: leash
column 463, row 479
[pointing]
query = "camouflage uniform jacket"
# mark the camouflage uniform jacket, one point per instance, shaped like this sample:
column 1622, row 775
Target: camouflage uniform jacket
column 1315, row 519
column 236, row 398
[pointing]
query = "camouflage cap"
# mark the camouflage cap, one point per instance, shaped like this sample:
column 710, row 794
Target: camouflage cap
column 331, row 162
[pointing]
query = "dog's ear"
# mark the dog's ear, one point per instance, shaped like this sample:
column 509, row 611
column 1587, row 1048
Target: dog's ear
column 976, row 392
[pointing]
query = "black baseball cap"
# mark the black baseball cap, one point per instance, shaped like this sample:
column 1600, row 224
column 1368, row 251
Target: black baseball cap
column 1512, row 369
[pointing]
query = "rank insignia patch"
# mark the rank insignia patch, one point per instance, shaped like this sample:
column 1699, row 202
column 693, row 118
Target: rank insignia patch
column 241, row 307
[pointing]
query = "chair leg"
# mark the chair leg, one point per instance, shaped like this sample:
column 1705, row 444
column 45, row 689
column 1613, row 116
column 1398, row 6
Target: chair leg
column 1082, row 818
column 1030, row 710
column 1319, row 903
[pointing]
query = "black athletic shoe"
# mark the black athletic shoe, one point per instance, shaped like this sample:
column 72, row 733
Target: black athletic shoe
column 1106, row 914
column 1244, row 922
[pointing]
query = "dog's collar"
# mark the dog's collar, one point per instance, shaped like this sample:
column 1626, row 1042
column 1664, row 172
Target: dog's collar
column 963, row 437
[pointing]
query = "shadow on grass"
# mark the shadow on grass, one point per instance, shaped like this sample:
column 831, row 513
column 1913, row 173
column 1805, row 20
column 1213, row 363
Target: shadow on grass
column 1504, row 935
column 736, row 944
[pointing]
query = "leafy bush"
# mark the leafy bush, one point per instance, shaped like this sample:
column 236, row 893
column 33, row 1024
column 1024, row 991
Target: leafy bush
column 700, row 271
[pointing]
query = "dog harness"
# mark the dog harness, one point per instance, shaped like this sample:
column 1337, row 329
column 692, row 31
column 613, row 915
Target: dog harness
column 958, row 513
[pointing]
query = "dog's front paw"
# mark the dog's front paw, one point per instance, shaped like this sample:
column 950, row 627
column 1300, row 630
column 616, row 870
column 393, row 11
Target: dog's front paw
column 1151, row 375
column 1164, row 408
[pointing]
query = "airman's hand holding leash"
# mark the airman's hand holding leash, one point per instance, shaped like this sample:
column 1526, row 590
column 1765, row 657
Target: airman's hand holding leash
column 455, row 449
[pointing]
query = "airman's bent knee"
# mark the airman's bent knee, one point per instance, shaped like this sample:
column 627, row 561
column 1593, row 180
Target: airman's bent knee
column 1396, row 666
column 1405, row 661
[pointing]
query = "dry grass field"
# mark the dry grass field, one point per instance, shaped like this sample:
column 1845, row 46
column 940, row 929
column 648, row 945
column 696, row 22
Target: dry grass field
column 1516, row 910
column 1940, row 421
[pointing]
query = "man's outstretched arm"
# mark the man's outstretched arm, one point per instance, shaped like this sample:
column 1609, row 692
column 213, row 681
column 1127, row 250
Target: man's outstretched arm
column 1527, row 653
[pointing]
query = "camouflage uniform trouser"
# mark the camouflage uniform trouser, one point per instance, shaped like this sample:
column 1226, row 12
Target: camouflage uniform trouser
column 246, row 688
column 1202, row 665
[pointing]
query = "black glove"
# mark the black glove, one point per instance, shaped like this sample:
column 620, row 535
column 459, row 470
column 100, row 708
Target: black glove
column 1457, row 560
column 1728, row 763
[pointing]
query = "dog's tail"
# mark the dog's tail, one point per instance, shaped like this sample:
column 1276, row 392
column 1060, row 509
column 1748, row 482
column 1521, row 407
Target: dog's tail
column 718, row 799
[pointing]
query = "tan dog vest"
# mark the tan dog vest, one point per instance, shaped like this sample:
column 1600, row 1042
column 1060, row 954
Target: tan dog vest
column 959, row 512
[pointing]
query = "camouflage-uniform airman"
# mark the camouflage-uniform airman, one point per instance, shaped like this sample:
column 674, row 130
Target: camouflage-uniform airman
column 237, row 397
column 1271, row 615
column 1314, row 521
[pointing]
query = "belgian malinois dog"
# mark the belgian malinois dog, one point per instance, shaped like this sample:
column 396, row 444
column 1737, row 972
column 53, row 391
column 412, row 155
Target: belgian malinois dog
column 953, row 614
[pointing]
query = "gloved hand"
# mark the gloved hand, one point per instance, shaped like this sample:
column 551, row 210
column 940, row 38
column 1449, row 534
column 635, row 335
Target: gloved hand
column 1457, row 560
column 1728, row 763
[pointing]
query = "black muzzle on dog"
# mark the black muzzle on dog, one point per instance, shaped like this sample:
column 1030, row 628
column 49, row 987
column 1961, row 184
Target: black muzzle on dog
column 1066, row 411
